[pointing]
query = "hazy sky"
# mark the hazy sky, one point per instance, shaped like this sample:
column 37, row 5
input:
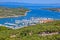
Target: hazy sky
column 33, row 1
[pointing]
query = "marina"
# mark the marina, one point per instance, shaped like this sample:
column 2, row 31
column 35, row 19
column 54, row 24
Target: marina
column 35, row 16
column 25, row 22
column 29, row 19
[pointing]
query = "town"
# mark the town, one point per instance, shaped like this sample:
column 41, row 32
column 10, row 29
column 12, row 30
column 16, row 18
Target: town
column 26, row 22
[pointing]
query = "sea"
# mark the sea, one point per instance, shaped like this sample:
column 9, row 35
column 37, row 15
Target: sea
column 35, row 11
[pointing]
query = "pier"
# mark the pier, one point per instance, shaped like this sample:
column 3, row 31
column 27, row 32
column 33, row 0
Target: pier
column 27, row 22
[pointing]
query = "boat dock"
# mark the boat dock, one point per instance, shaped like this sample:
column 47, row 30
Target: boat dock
column 26, row 22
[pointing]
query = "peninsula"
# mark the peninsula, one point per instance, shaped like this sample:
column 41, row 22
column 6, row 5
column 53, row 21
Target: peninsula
column 12, row 12
column 53, row 9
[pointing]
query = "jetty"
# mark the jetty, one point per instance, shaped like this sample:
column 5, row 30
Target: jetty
column 27, row 22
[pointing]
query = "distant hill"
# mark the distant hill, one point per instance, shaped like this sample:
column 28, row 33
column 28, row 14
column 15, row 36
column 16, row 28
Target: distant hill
column 16, row 4
column 13, row 3
column 26, row 4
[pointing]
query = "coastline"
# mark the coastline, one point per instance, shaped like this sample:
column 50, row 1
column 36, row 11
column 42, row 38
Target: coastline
column 16, row 15
column 34, row 22
column 52, row 9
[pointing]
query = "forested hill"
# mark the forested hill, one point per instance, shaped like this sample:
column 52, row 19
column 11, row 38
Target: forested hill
column 45, row 31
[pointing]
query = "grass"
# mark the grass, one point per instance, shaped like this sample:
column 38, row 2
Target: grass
column 31, row 32
column 6, row 12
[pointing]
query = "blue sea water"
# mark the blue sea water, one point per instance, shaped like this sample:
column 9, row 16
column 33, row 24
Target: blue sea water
column 35, row 12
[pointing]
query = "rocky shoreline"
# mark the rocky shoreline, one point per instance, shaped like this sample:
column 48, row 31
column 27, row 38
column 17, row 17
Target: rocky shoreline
column 15, row 15
column 52, row 9
column 12, row 12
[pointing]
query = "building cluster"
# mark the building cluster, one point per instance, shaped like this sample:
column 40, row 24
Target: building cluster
column 27, row 22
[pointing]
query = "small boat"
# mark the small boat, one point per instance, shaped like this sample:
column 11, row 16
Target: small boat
column 10, row 24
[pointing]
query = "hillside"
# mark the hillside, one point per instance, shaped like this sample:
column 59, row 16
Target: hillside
column 12, row 12
column 45, row 31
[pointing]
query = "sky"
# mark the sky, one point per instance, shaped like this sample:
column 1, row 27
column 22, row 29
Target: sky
column 34, row 1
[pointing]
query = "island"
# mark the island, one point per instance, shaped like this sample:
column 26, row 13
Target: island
column 12, row 12
column 52, row 9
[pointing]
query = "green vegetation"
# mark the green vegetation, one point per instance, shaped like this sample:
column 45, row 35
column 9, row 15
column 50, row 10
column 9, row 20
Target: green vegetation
column 12, row 12
column 31, row 32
